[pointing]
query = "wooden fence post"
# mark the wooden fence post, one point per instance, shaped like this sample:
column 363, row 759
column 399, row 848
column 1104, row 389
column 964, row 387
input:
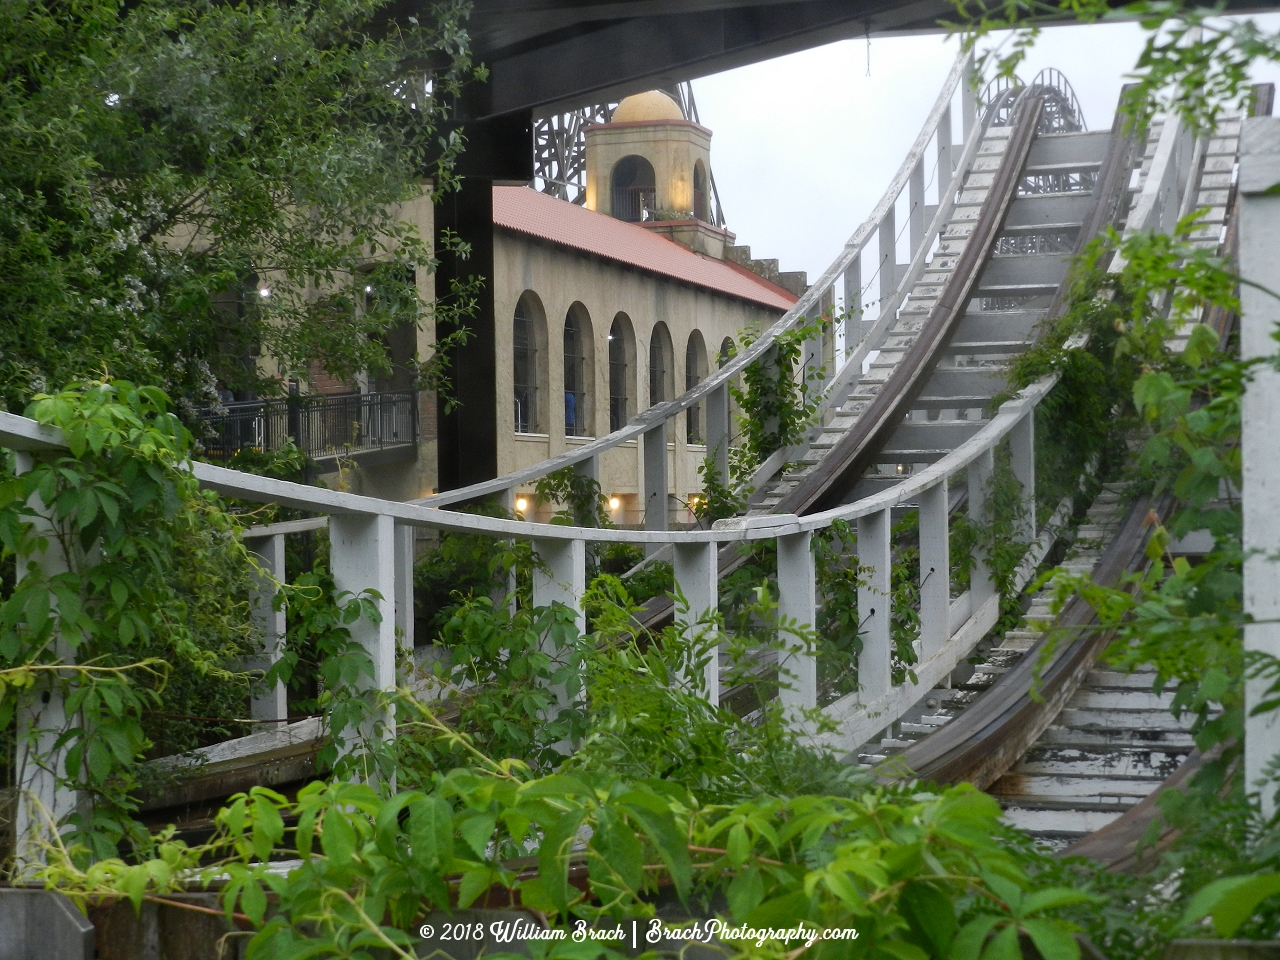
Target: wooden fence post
column 875, row 606
column 797, row 601
column 695, row 573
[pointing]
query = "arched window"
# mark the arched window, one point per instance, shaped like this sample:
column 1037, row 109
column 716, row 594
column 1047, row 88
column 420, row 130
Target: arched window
column 577, row 372
column 661, row 365
column 695, row 371
column 701, row 198
column 621, row 362
column 634, row 194
column 528, row 359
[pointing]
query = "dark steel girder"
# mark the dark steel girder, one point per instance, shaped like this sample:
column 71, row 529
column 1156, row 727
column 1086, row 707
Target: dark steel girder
column 554, row 55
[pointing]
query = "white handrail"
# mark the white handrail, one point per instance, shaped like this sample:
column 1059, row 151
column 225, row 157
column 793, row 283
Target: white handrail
column 21, row 433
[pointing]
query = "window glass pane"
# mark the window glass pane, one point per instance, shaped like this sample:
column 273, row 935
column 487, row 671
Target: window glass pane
column 574, row 407
column 524, row 372
column 617, row 378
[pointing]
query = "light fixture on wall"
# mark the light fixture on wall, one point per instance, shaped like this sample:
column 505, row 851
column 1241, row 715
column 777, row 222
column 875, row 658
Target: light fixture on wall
column 264, row 292
column 521, row 505
column 614, row 504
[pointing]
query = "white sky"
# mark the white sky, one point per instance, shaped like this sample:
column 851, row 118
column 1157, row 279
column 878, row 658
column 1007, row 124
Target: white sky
column 805, row 145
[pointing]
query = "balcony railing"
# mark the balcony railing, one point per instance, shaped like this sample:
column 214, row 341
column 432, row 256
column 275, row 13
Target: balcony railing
column 323, row 427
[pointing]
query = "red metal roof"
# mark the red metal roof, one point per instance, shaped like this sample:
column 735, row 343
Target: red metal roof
column 558, row 221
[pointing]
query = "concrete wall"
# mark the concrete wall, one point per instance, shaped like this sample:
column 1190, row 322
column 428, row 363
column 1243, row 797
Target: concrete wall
column 561, row 278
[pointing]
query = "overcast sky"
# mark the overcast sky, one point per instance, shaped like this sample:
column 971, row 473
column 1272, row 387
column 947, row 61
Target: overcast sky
column 803, row 146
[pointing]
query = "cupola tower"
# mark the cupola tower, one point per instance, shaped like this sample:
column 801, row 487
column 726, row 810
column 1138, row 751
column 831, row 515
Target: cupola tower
column 649, row 165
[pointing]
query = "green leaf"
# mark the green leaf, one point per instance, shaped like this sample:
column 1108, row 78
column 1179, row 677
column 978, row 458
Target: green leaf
column 972, row 937
column 337, row 837
column 745, row 892
column 930, row 911
column 1004, row 945
column 1055, row 897
column 431, row 830
column 477, row 830
column 1054, row 939
column 782, row 911
column 474, row 883
column 253, row 902
column 660, row 827
column 553, row 857
column 616, row 843
column 739, row 845
column 1231, row 901
column 902, row 950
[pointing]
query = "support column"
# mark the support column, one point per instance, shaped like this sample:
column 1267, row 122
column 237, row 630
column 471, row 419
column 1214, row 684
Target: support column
column 946, row 165
column 560, row 577
column 45, row 799
column 812, row 352
column 1022, row 447
column 981, row 589
column 653, row 490
column 695, row 573
column 797, row 601
column 888, row 243
column 362, row 557
column 718, row 433
column 269, row 705
column 935, row 571
column 853, row 317
column 875, row 606
column 1260, row 312
column 969, row 93
column 468, row 434
column 915, row 196
column 405, row 549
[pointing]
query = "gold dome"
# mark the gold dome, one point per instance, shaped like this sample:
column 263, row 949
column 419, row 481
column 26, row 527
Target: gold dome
column 653, row 106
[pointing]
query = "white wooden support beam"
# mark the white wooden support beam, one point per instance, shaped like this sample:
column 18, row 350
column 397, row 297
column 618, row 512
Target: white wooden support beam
column 854, row 330
column 797, row 601
column 915, row 214
column 829, row 331
column 935, row 570
column 406, row 538
column 654, row 489
column 500, row 595
column 1022, row 450
column 718, row 432
column 362, row 558
column 45, row 795
column 590, row 468
column 946, row 165
column 888, row 247
column 969, row 93
column 980, row 470
column 269, row 705
column 875, row 606
column 695, row 573
column 812, row 352
column 560, row 577
column 1260, row 313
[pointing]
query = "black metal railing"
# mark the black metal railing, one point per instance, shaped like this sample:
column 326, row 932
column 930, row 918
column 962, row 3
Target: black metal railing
column 634, row 204
column 323, row 427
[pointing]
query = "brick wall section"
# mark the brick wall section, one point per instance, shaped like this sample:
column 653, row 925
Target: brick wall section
column 322, row 381
column 428, row 428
